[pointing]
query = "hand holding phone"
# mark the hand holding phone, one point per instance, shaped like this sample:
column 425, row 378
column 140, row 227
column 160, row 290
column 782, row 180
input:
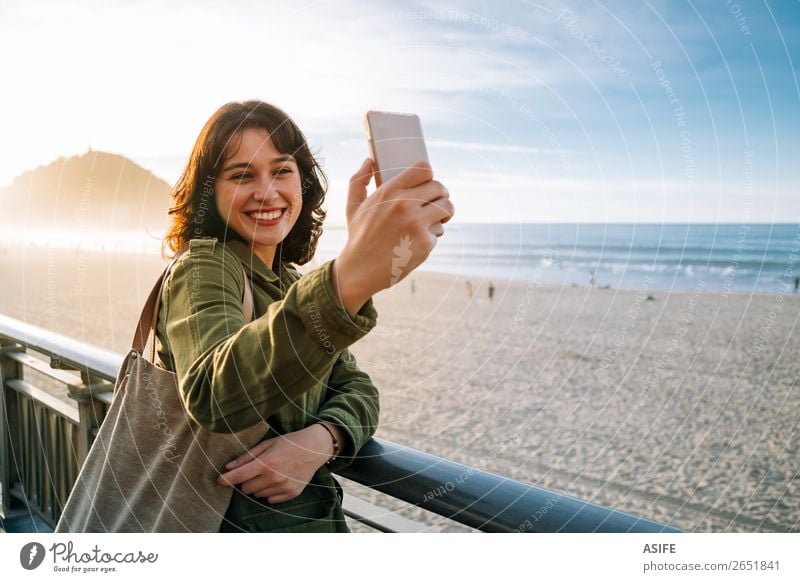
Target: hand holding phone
column 392, row 231
column 395, row 143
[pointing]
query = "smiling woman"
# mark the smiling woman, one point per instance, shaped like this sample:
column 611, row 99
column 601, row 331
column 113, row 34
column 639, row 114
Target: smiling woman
column 246, row 209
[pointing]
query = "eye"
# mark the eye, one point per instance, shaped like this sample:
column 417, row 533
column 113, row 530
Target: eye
column 241, row 177
column 284, row 171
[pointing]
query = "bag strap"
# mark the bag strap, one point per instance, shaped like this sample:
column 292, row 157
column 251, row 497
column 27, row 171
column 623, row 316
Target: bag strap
column 148, row 320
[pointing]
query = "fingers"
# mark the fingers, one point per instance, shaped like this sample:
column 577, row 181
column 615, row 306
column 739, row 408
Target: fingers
column 363, row 175
column 274, row 492
column 436, row 229
column 264, row 486
column 240, row 474
column 414, row 175
column 250, row 455
column 438, row 212
column 245, row 466
column 273, row 495
column 425, row 193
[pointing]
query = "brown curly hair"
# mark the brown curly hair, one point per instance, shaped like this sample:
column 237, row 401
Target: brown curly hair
column 194, row 216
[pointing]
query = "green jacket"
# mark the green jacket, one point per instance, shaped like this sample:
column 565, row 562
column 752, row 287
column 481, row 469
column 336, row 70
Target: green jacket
column 289, row 366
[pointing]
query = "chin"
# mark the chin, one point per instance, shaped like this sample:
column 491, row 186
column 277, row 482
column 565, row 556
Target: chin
column 269, row 240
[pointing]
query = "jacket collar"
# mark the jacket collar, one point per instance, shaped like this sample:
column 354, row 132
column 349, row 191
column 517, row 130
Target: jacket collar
column 251, row 260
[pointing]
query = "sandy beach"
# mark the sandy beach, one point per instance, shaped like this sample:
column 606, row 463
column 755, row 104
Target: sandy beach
column 683, row 408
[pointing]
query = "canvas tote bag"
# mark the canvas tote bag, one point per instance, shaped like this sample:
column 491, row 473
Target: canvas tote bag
column 151, row 467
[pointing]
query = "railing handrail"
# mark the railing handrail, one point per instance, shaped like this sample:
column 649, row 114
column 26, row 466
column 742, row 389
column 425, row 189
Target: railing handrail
column 68, row 351
column 465, row 494
column 480, row 499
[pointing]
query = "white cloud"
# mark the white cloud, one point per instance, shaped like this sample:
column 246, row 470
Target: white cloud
column 488, row 147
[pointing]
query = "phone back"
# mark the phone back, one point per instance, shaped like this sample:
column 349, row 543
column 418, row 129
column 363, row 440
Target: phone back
column 395, row 141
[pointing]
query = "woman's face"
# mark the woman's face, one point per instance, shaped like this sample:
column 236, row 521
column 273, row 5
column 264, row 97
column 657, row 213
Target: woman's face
column 258, row 193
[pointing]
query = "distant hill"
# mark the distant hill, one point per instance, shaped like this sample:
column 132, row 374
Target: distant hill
column 94, row 190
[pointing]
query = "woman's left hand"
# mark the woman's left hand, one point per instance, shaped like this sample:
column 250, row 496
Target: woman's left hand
column 281, row 467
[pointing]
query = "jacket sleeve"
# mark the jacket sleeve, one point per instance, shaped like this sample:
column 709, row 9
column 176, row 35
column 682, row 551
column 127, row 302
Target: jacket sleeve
column 232, row 375
column 351, row 403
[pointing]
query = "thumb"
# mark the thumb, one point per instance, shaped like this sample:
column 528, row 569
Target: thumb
column 357, row 192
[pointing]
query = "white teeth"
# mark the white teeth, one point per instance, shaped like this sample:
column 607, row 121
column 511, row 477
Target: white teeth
column 266, row 215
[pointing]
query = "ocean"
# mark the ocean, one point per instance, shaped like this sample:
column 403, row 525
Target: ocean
column 728, row 258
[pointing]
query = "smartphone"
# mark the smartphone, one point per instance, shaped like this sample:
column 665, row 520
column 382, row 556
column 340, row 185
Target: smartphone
column 395, row 142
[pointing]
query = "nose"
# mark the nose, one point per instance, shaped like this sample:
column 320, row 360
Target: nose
column 265, row 189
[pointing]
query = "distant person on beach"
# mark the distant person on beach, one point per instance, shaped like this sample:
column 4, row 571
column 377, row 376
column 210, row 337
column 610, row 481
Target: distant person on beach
column 469, row 290
column 591, row 279
column 491, row 291
column 251, row 197
column 796, row 284
column 413, row 287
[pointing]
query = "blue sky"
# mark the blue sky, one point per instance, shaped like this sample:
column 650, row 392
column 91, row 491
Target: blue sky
column 534, row 111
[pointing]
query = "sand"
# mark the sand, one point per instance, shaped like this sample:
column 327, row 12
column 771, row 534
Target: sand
column 683, row 409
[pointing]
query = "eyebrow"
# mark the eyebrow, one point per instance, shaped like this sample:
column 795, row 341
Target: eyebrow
column 283, row 158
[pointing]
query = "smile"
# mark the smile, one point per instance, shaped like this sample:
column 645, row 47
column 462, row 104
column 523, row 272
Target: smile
column 266, row 218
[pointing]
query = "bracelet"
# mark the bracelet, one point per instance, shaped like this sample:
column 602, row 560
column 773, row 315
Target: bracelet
column 336, row 449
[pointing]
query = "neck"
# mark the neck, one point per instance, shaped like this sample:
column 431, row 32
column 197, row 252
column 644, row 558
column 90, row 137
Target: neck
column 266, row 254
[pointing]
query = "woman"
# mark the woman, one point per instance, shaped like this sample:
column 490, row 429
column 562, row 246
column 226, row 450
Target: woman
column 251, row 195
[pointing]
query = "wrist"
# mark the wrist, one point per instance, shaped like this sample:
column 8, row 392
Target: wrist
column 351, row 292
column 332, row 438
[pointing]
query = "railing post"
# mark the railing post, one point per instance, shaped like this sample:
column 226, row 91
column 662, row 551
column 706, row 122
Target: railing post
column 91, row 411
column 9, row 424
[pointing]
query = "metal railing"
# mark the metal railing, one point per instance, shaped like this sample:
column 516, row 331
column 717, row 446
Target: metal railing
column 44, row 440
